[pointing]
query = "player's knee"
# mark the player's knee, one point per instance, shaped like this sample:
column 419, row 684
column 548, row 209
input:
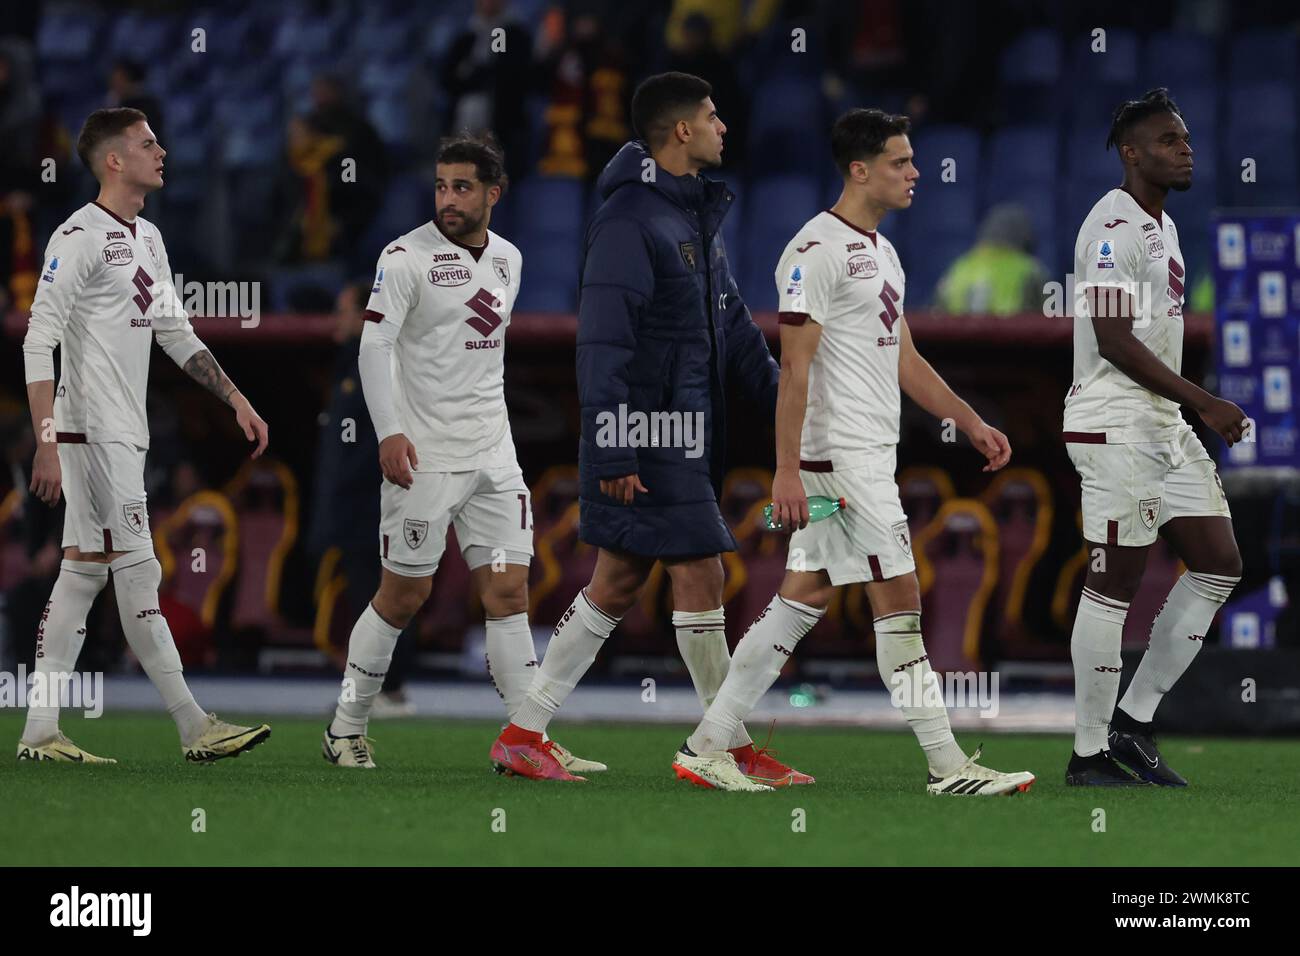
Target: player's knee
column 812, row 594
column 697, row 584
column 136, row 573
column 614, row 593
column 505, row 598
column 399, row 601
column 1114, row 585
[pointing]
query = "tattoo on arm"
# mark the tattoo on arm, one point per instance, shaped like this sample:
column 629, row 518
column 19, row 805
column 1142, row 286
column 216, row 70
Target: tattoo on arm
column 203, row 368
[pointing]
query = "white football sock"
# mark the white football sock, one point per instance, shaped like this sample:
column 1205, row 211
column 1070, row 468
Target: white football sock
column 59, row 637
column 905, row 668
column 757, row 663
column 370, row 651
column 702, row 642
column 1176, row 636
column 511, row 658
column 136, row 576
column 1094, row 650
column 578, row 638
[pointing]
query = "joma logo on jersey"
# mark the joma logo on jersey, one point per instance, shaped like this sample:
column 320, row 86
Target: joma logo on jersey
column 118, row 254
column 862, row 267
column 443, row 256
column 114, row 235
column 852, row 246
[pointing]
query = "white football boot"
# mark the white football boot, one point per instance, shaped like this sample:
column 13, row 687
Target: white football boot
column 354, row 750
column 574, row 765
column 716, row 771
column 59, row 748
column 972, row 780
column 220, row 739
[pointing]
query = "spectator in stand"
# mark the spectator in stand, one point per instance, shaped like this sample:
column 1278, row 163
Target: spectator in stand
column 20, row 131
column 731, row 25
column 700, row 56
column 999, row 275
column 126, row 87
column 585, row 70
column 345, row 498
column 487, row 77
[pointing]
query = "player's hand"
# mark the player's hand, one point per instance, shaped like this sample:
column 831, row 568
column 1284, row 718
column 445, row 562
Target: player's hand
column 789, row 501
column 1227, row 419
column 992, row 444
column 47, row 476
column 622, row 489
column 396, row 459
column 255, row 429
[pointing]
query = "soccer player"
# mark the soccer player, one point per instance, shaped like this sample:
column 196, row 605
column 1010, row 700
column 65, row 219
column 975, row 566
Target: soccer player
column 1143, row 471
column 845, row 354
column 432, row 364
column 661, row 329
column 104, row 296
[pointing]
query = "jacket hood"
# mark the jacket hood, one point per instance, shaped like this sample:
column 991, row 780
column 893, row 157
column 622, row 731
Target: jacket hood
column 699, row 194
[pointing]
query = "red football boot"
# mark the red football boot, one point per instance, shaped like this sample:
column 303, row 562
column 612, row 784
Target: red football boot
column 761, row 766
column 523, row 753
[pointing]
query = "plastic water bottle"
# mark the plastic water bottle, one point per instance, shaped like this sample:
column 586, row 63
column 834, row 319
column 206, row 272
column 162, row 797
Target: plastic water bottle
column 819, row 507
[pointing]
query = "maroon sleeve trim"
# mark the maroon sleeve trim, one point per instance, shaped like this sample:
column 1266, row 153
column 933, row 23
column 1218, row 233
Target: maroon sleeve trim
column 792, row 318
column 372, row 316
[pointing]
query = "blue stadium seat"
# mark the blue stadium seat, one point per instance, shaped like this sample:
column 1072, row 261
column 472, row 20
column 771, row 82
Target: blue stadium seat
column 778, row 208
column 549, row 206
column 1263, row 56
column 550, row 273
column 1199, row 105
column 391, row 116
column 146, row 39
column 1176, row 59
column 407, row 204
column 1088, row 161
column 381, row 38
column 787, row 126
column 1032, row 59
column 1102, row 80
column 386, row 76
column 1263, row 107
column 67, row 35
column 1020, row 156
column 308, row 34
column 935, row 144
column 1275, row 166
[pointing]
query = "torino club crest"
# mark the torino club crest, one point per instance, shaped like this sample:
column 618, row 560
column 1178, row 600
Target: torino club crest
column 415, row 532
column 1149, row 511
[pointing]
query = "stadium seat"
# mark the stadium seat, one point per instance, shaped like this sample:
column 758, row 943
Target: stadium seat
column 1262, row 107
column 1275, row 166
column 1176, row 59
column 958, row 552
column 1103, row 79
column 778, row 208
column 68, row 34
column 922, row 491
column 787, row 126
column 264, row 494
column 554, row 207
column 407, row 205
column 1020, row 500
column 1030, row 76
column 144, row 38
column 1263, row 56
column 391, row 115
column 206, row 520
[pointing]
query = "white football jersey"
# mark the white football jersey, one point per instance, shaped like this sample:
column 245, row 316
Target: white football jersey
column 450, row 305
column 851, row 283
column 1119, row 245
column 104, row 294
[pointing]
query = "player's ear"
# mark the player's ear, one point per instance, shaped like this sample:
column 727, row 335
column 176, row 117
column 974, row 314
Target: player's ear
column 493, row 195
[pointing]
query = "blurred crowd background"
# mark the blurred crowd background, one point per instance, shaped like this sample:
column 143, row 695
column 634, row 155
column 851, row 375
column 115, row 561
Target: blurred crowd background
column 258, row 104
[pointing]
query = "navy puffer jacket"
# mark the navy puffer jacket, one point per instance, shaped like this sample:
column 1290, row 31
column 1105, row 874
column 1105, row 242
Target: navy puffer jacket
column 661, row 328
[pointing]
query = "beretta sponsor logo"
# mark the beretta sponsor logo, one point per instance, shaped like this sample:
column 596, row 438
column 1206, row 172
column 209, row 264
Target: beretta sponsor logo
column 118, row 254
column 449, row 275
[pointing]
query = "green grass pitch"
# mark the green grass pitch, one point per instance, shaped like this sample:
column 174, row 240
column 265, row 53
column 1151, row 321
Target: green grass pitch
column 434, row 801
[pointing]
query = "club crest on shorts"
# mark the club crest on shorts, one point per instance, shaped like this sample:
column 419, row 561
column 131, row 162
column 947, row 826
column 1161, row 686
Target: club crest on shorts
column 502, row 269
column 415, row 532
column 136, row 518
column 900, row 535
column 1149, row 511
